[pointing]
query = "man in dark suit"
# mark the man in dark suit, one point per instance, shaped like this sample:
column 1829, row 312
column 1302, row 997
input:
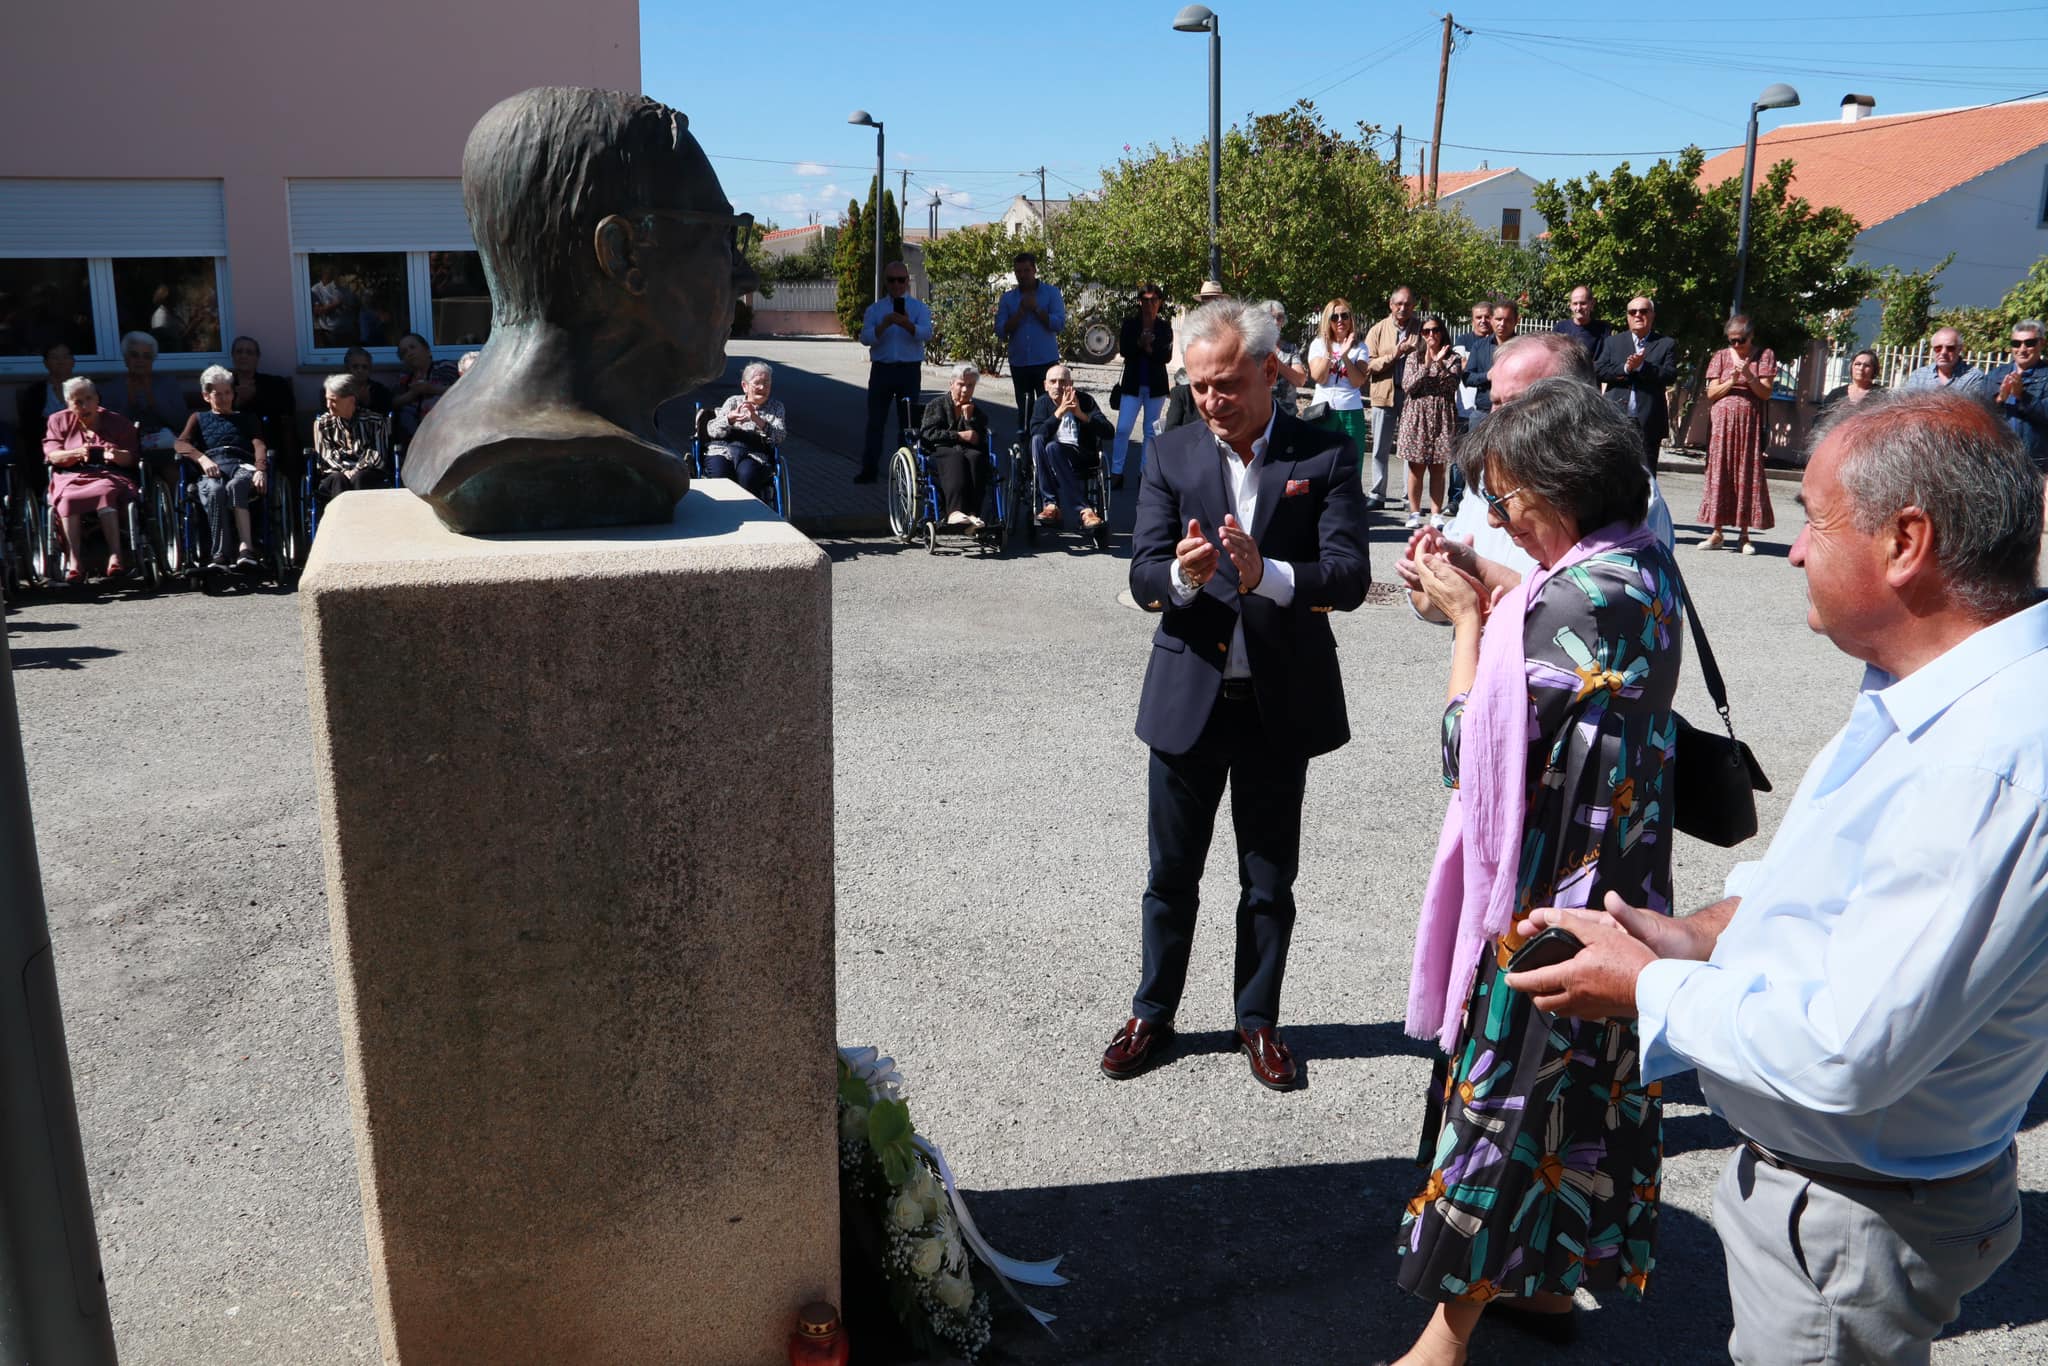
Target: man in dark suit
column 1068, row 431
column 1250, row 529
column 1637, row 366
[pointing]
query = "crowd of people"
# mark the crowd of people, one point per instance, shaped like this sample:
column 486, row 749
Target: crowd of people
column 1876, row 1093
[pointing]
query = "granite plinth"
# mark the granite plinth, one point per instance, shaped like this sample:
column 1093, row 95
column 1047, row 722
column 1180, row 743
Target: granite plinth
column 576, row 793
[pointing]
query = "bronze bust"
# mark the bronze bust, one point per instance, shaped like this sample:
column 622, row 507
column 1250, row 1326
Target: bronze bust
column 613, row 260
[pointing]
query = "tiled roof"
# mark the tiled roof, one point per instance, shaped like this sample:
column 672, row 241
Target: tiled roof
column 790, row 232
column 1879, row 167
column 1450, row 182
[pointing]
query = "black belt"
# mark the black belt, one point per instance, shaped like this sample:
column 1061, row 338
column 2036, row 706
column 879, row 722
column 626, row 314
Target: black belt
column 1237, row 690
column 1872, row 1181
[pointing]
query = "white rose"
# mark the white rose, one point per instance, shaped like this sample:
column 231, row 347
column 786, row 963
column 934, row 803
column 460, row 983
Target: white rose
column 955, row 1292
column 925, row 1261
column 906, row 1211
column 853, row 1124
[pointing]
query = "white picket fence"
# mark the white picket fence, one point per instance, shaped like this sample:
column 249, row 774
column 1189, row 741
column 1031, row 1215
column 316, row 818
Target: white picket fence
column 1894, row 363
column 800, row 296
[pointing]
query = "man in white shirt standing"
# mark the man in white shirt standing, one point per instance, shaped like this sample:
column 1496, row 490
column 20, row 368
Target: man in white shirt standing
column 1868, row 1005
column 894, row 329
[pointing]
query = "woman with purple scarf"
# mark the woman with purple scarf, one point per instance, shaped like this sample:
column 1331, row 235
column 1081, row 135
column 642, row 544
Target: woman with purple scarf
column 1543, row 1147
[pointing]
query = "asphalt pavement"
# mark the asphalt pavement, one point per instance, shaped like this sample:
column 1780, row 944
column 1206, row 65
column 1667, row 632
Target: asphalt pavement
column 990, row 854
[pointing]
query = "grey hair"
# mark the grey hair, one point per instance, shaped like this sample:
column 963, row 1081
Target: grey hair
column 757, row 367
column 215, row 374
column 2032, row 325
column 1251, row 324
column 1274, row 307
column 142, row 339
column 1742, row 321
column 1568, row 359
column 966, row 368
column 339, row 386
column 79, row 384
column 1949, row 456
column 1564, row 443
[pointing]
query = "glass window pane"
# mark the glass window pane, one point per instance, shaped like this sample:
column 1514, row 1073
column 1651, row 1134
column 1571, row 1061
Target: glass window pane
column 42, row 302
column 360, row 298
column 462, row 301
column 173, row 298
column 1510, row 225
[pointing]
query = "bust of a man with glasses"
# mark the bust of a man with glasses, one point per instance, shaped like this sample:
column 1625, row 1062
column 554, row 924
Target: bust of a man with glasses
column 613, row 259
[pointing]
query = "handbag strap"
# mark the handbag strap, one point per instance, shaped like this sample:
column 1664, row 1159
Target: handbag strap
column 1717, row 687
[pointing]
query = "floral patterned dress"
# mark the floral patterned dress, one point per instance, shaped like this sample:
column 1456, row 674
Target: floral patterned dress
column 1737, row 494
column 1429, row 419
column 1543, row 1175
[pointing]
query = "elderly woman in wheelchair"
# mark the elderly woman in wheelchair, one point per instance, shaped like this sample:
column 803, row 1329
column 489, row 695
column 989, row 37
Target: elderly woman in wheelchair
column 954, row 434
column 94, row 457
column 741, row 438
column 234, row 467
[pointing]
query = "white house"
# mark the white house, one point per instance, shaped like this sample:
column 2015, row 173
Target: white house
column 1499, row 202
column 1971, row 181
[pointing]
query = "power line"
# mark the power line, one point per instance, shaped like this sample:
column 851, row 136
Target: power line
column 1836, row 17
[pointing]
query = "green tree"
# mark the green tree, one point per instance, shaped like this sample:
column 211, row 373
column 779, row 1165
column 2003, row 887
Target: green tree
column 1308, row 214
column 1907, row 299
column 1986, row 329
column 1662, row 234
column 853, row 256
column 969, row 268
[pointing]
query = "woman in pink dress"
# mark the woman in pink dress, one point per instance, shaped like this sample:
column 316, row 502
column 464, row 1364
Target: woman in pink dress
column 1739, row 380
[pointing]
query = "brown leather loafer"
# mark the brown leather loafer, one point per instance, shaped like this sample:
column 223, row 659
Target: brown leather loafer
column 1137, row 1047
column 1272, row 1064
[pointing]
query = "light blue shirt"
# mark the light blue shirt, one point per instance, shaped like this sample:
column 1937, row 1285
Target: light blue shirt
column 1880, row 998
column 1967, row 379
column 894, row 344
column 1034, row 342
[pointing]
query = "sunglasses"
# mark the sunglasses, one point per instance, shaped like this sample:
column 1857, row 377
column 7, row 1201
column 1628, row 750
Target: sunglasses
column 2026, row 341
column 1432, row 332
column 1500, row 504
column 1636, row 312
column 1340, row 317
column 896, row 279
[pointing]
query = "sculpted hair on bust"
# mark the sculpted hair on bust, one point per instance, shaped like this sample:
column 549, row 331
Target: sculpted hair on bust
column 542, row 169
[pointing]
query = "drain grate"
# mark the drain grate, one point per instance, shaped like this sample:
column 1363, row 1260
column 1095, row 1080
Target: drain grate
column 1385, row 594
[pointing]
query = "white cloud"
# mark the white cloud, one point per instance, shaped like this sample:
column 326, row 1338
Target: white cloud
column 787, row 203
column 811, row 168
column 829, row 192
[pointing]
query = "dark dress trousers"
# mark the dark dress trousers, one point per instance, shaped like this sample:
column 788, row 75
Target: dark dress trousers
column 1658, row 372
column 1060, row 466
column 1311, row 514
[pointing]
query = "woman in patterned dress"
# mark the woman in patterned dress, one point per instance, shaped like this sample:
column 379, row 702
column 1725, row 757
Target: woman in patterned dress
column 1543, row 1147
column 1739, row 380
column 1429, row 418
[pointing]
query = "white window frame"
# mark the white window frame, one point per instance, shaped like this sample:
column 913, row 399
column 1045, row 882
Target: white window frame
column 106, row 324
column 418, row 288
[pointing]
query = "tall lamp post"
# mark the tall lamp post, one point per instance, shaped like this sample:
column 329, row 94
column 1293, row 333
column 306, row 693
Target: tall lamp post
column 1780, row 96
column 864, row 119
column 1202, row 19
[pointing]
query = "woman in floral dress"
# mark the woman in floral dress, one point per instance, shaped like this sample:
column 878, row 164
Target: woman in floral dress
column 1739, row 380
column 1429, row 418
column 1544, row 1146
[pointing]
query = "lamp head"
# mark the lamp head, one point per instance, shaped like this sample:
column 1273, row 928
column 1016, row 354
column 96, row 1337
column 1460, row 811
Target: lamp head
column 863, row 118
column 1780, row 96
column 1194, row 19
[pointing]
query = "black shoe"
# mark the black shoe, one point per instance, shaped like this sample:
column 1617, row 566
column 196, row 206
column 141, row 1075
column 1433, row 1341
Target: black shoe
column 1375, row 504
column 866, row 477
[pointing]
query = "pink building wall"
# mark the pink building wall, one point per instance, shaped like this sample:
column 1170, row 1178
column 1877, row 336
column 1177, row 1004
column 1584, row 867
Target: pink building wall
column 258, row 92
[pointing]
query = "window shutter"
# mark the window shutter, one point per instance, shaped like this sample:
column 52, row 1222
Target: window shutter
column 62, row 218
column 379, row 215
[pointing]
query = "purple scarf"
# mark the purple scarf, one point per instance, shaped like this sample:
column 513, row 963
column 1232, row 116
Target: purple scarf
column 1473, row 886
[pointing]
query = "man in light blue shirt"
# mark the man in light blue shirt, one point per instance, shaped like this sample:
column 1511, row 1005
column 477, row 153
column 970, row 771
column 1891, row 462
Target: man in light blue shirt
column 1868, row 1005
column 1029, row 319
column 1948, row 370
column 894, row 329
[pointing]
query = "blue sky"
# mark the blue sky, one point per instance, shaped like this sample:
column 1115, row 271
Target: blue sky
column 975, row 95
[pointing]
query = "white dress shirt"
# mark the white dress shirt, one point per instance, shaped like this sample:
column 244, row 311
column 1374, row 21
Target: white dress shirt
column 1880, row 998
column 1241, row 491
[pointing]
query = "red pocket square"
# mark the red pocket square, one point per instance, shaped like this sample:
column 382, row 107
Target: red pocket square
column 1295, row 488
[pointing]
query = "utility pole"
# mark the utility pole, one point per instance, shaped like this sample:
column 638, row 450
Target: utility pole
column 934, row 207
column 1443, row 73
column 903, row 195
column 1044, row 218
column 1397, row 149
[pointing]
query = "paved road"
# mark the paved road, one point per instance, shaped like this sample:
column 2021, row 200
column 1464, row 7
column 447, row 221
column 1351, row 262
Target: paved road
column 990, row 853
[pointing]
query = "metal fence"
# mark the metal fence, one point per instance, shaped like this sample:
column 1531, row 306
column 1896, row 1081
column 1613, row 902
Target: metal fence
column 800, row 296
column 1894, row 363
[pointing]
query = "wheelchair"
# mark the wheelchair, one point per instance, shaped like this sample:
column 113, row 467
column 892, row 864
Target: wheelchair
column 36, row 546
column 1031, row 489
column 273, row 520
column 914, row 496
column 309, row 499
column 781, row 496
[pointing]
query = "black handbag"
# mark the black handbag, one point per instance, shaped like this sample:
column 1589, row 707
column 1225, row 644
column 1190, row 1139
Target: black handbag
column 1116, row 396
column 1715, row 778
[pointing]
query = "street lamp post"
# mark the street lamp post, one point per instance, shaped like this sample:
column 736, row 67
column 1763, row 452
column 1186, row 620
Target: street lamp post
column 867, row 120
column 1779, row 96
column 1202, row 19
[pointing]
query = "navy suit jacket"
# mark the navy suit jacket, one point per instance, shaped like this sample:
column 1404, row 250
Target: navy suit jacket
column 1311, row 514
column 1658, row 372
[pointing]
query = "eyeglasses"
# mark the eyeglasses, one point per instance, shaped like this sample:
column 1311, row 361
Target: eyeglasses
column 897, row 279
column 2026, row 341
column 1340, row 317
column 1634, row 312
column 1944, row 346
column 1432, row 332
column 1500, row 504
column 739, row 223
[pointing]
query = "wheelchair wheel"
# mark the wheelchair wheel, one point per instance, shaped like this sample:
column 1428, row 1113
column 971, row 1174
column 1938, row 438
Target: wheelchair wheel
column 785, row 495
column 278, row 555
column 1017, row 495
column 903, row 494
column 931, row 538
column 25, row 542
column 160, row 523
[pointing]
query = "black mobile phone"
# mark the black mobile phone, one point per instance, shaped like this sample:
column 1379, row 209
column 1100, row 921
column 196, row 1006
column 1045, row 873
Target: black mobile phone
column 899, row 305
column 1547, row 949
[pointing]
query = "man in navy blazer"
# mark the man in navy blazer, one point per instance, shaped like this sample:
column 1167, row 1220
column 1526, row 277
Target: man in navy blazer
column 1637, row 366
column 1250, row 530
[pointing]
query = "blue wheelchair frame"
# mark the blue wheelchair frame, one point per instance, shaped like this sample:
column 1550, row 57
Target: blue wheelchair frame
column 913, row 494
column 309, row 483
column 778, row 468
column 1025, row 469
column 272, row 529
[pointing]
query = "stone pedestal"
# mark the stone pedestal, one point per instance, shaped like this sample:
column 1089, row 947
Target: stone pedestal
column 577, row 801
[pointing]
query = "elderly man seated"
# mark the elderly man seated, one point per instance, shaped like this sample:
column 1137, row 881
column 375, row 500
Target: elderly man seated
column 1068, row 429
column 351, row 443
column 93, row 456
